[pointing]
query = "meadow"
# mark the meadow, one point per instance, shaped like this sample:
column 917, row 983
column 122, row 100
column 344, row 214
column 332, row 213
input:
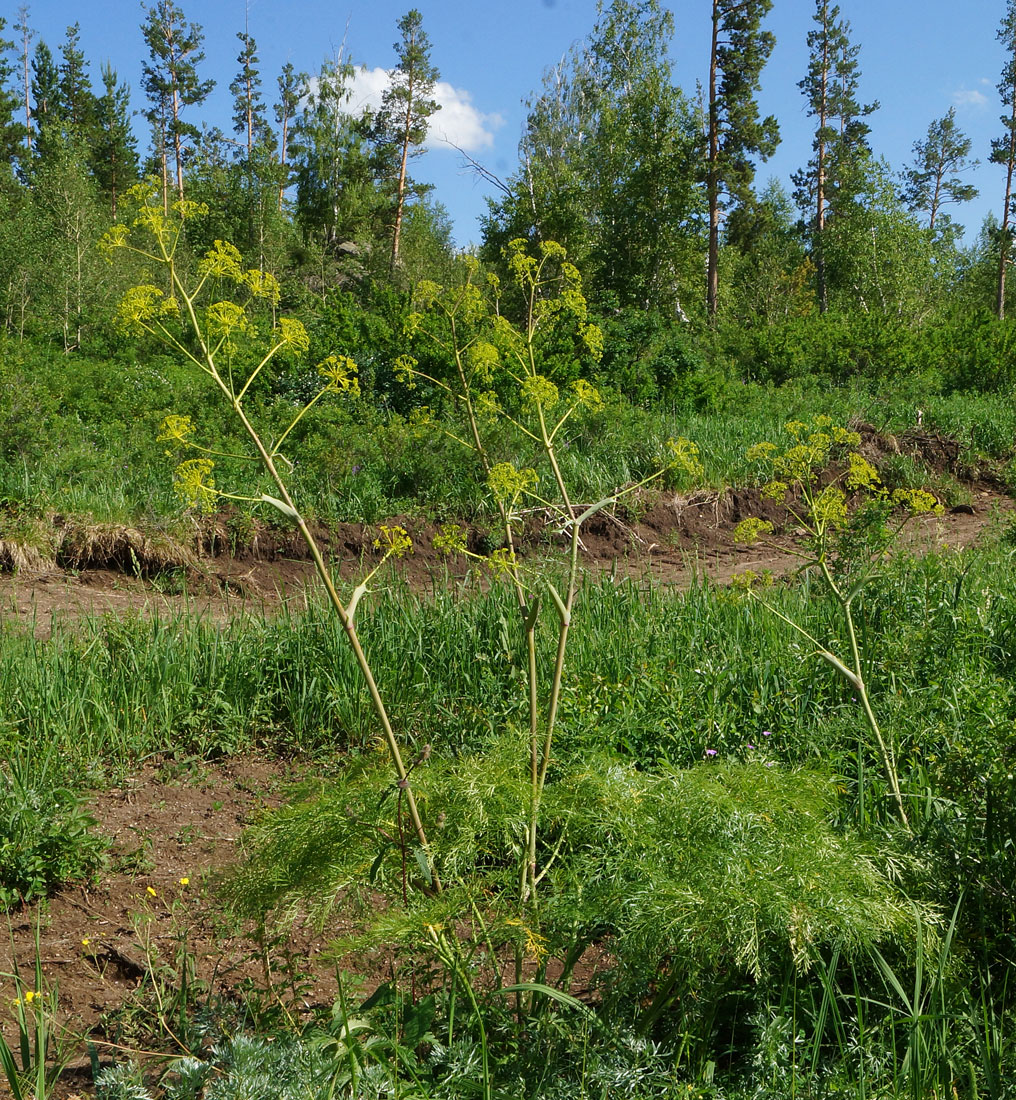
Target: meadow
column 559, row 832
column 731, row 907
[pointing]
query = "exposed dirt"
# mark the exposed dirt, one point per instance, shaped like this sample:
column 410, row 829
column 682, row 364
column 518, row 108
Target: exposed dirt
column 107, row 946
column 111, row 949
column 672, row 538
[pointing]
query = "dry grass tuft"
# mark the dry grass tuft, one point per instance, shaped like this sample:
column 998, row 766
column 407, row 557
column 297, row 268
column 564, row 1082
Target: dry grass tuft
column 19, row 557
column 124, row 549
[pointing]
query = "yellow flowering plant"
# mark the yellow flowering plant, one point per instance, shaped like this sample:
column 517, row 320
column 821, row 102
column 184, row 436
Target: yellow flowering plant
column 221, row 318
column 850, row 523
column 30, row 1069
column 485, row 348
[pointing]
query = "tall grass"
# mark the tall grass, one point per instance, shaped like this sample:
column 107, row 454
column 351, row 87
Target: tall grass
column 658, row 676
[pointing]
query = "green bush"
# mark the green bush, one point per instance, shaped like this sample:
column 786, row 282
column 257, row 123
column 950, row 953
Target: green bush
column 45, row 834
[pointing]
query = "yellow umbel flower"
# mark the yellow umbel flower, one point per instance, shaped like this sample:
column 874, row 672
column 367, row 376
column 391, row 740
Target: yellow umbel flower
column 193, row 484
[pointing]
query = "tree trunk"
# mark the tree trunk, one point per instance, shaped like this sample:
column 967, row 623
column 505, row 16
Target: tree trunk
column 400, row 193
column 1003, row 248
column 712, row 178
column 820, row 179
column 282, row 157
column 177, row 146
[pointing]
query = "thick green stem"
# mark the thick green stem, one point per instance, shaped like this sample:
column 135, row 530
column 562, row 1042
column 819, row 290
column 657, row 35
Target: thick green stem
column 564, row 607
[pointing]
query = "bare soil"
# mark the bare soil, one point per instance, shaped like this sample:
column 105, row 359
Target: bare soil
column 111, row 948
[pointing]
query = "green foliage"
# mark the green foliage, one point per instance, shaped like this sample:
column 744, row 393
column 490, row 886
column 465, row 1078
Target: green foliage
column 400, row 126
column 934, row 179
column 648, row 359
column 610, row 148
column 45, row 832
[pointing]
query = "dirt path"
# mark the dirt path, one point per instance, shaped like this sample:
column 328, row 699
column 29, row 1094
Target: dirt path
column 675, row 539
column 111, row 949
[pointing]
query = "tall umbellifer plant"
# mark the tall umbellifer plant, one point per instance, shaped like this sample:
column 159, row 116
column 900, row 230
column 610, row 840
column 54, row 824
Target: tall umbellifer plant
column 221, row 318
column 497, row 374
column 811, row 473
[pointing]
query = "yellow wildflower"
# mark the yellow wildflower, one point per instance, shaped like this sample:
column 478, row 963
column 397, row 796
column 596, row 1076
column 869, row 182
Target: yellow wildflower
column 752, row 529
column 393, row 540
column 686, row 457
column 175, row 429
column 538, row 391
column 293, row 334
column 508, row 483
column 587, row 395
column 193, row 484
column 340, row 373
column 451, row 540
column 223, row 262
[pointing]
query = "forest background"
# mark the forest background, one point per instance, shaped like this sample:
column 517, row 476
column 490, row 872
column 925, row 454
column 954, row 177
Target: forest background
column 631, row 163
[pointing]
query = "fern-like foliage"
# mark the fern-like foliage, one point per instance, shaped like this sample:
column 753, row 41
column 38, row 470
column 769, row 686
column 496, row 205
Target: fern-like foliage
column 731, row 868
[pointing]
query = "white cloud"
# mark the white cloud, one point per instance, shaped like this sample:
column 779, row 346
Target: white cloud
column 457, row 123
column 970, row 97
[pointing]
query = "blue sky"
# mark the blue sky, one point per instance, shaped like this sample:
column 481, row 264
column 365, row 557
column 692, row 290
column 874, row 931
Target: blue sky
column 917, row 59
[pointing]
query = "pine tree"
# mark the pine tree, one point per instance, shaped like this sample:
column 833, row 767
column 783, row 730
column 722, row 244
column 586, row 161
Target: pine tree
column 11, row 130
column 172, row 83
column 291, row 86
column 827, row 185
column 26, row 35
column 401, row 125
column 739, row 52
column 114, row 154
column 934, row 178
column 46, row 104
column 1003, row 150
column 249, row 118
column 77, row 100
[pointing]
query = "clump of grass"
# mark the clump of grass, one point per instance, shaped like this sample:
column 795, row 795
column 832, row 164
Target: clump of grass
column 124, row 549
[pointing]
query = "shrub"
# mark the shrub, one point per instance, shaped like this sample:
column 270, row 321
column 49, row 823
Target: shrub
column 45, row 834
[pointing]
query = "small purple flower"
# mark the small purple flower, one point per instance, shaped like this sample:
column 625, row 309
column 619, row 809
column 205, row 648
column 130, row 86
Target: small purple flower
column 769, row 763
column 710, row 752
column 767, row 733
column 356, row 469
column 750, row 745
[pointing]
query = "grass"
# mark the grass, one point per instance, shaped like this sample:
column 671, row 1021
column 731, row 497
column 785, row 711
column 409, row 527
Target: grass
column 366, row 464
column 712, row 673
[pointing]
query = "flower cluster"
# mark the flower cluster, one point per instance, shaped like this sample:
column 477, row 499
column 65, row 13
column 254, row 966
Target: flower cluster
column 508, row 483
column 175, row 429
column 339, row 371
column 394, row 541
column 685, row 457
column 142, row 307
column 451, row 539
column 539, row 392
column 193, row 484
